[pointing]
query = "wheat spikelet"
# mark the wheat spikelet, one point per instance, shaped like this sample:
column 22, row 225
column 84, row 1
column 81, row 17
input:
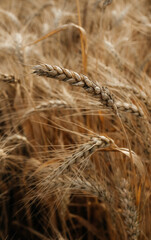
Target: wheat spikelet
column 124, row 107
column 16, row 138
column 140, row 94
column 8, row 78
column 76, row 79
column 129, row 108
column 12, row 143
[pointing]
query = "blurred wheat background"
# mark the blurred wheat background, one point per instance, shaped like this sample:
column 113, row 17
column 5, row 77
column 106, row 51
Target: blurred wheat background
column 75, row 119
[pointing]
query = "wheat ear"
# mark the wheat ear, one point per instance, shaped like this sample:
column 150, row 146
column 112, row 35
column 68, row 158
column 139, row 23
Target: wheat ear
column 56, row 177
column 53, row 103
column 76, row 79
column 71, row 182
column 82, row 153
column 129, row 212
column 88, row 185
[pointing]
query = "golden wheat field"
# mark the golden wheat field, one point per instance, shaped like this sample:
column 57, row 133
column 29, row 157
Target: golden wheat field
column 75, row 120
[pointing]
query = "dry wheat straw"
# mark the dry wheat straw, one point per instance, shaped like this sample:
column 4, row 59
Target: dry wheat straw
column 76, row 79
column 129, row 212
column 60, row 237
